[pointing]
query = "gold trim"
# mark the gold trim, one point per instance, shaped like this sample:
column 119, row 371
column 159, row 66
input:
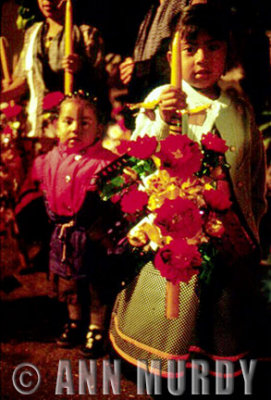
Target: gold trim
column 147, row 348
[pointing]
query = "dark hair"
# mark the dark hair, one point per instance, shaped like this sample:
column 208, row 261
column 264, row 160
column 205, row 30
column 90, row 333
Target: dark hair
column 80, row 95
column 215, row 21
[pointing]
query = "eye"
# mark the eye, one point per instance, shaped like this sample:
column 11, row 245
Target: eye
column 86, row 123
column 214, row 46
column 189, row 49
column 67, row 121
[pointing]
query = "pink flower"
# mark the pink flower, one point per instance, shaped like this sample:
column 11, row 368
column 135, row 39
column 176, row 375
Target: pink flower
column 179, row 218
column 123, row 147
column 12, row 110
column 214, row 226
column 219, row 198
column 178, row 261
column 134, row 201
column 180, row 156
column 52, row 100
column 213, row 142
column 7, row 130
column 143, row 147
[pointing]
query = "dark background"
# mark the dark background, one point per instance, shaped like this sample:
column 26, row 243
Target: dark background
column 118, row 20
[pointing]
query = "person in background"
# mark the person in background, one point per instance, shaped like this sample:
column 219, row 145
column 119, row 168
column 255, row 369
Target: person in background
column 148, row 67
column 41, row 66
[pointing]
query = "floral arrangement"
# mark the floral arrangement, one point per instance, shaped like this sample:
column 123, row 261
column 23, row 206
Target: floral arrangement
column 179, row 189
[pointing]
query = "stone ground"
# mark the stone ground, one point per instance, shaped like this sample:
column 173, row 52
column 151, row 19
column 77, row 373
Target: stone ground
column 30, row 322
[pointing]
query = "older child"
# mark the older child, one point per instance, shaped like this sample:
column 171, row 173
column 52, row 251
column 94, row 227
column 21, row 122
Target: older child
column 67, row 177
column 42, row 62
column 215, row 321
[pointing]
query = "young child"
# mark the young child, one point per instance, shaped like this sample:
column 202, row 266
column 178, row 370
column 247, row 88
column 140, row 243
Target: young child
column 214, row 321
column 41, row 66
column 67, row 177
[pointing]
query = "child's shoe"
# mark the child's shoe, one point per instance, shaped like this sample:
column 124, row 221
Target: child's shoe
column 71, row 335
column 94, row 344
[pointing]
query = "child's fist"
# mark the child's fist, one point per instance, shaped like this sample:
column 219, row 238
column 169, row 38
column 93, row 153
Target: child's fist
column 171, row 100
column 5, row 83
column 126, row 70
column 71, row 63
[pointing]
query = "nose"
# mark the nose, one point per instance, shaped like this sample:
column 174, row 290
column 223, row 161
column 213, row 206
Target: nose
column 201, row 55
column 75, row 126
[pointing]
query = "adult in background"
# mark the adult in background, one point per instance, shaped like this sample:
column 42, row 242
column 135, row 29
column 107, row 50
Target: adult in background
column 148, row 67
column 41, row 66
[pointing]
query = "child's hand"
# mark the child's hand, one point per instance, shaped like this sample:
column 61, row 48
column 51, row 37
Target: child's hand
column 5, row 83
column 126, row 70
column 171, row 99
column 72, row 63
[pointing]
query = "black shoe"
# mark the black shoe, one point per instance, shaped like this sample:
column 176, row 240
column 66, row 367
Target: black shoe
column 94, row 344
column 71, row 335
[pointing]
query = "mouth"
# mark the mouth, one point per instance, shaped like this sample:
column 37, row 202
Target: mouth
column 203, row 73
column 73, row 140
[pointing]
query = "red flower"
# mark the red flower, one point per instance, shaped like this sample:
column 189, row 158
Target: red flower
column 143, row 147
column 214, row 226
column 180, row 156
column 12, row 110
column 179, row 218
column 134, row 201
column 52, row 100
column 213, row 142
column 115, row 198
column 219, row 198
column 177, row 261
column 7, row 130
column 123, row 147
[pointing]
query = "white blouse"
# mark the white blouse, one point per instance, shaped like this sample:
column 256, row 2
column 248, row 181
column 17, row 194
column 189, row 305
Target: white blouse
column 150, row 123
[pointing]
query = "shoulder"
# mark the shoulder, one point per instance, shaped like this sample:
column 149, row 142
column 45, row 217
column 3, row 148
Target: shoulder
column 33, row 28
column 100, row 156
column 45, row 159
column 238, row 98
column 241, row 106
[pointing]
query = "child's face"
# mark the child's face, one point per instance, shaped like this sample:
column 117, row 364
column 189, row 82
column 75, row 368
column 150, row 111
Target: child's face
column 203, row 62
column 77, row 124
column 49, row 8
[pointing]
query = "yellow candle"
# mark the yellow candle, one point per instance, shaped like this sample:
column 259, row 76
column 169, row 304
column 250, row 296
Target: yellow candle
column 176, row 78
column 4, row 61
column 176, row 62
column 68, row 76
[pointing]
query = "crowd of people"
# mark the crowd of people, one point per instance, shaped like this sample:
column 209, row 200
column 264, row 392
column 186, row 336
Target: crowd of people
column 226, row 318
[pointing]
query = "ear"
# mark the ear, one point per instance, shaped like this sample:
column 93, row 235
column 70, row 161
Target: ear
column 169, row 56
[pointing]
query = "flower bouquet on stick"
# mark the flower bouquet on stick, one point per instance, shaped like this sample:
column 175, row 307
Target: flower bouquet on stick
column 172, row 197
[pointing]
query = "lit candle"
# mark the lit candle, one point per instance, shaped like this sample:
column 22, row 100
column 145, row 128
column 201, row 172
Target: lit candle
column 68, row 76
column 176, row 62
column 173, row 291
column 4, row 61
column 176, row 78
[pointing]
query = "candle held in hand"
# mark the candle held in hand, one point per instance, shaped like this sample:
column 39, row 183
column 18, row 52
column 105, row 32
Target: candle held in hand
column 176, row 62
column 4, row 61
column 68, row 76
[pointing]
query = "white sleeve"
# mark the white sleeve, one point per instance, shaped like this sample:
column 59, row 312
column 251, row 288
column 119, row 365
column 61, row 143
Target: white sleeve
column 149, row 122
